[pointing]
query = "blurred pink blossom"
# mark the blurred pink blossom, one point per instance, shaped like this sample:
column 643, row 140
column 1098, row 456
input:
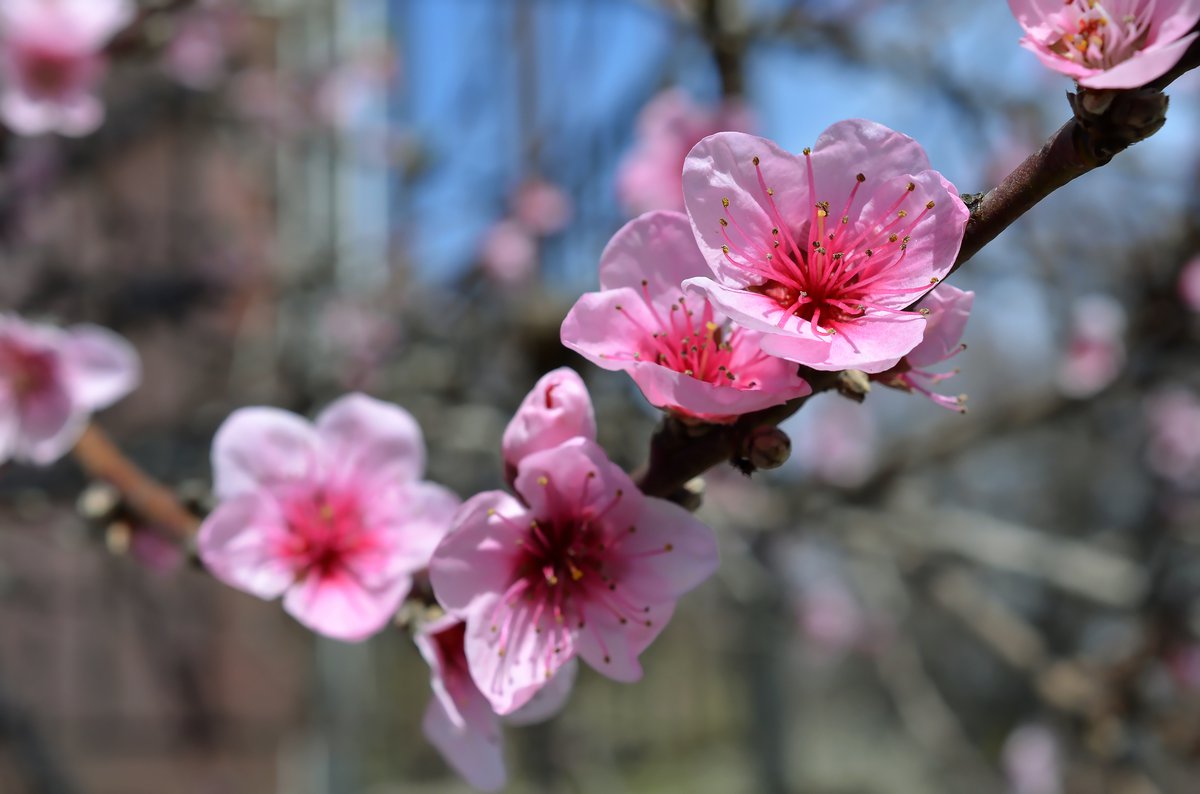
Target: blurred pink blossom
column 459, row 720
column 154, row 551
column 558, row 409
column 837, row 442
column 1110, row 44
column 1032, row 761
column 650, row 177
column 684, row 356
column 51, row 380
column 946, row 309
column 581, row 565
column 1173, row 417
column 509, row 252
column 1184, row 666
column 52, row 62
column 198, row 52
column 348, row 89
column 1189, row 284
column 541, row 207
column 823, row 251
column 1095, row 350
column 331, row 516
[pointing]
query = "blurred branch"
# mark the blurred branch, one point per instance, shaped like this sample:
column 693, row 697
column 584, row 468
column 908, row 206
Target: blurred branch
column 151, row 500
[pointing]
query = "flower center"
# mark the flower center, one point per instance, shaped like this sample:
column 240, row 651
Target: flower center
column 28, row 372
column 700, row 347
column 828, row 270
column 48, row 72
column 324, row 528
column 1092, row 36
column 570, row 569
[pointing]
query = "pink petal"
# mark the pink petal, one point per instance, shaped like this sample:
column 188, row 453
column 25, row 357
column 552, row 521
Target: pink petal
column 371, row 441
column 340, row 605
column 510, row 658
column 99, row 366
column 872, row 344
column 475, row 560
column 550, row 699
column 671, row 390
column 612, row 649
column 239, row 544
column 658, row 248
column 949, row 309
column 1143, row 67
column 417, row 516
column 262, row 448
column 575, row 477
column 608, row 328
column 665, row 577
column 474, row 748
column 721, row 167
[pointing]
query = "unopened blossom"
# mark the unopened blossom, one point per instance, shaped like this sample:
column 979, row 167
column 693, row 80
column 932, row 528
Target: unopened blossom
column 946, row 311
column 1189, row 284
column 684, row 355
column 822, row 252
column 459, row 720
column 668, row 127
column 52, row 62
column 1108, row 43
column 557, row 409
column 331, row 516
column 52, row 380
column 1173, row 451
column 1095, row 346
column 581, row 565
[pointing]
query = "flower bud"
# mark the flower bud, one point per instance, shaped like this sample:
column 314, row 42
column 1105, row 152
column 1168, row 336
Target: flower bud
column 767, row 447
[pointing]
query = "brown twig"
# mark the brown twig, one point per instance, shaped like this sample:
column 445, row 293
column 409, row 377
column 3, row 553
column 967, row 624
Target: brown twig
column 151, row 500
column 1105, row 123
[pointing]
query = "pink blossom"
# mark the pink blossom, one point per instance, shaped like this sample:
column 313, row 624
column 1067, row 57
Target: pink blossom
column 1109, row 44
column 541, row 207
column 459, row 720
column 52, row 62
column 509, row 252
column 669, row 126
column 1189, row 285
column 583, row 565
column 199, row 49
column 1173, row 416
column 823, row 252
column 837, row 443
column 1095, row 349
column 685, row 356
column 51, row 380
column 558, row 409
column 946, row 310
column 331, row 516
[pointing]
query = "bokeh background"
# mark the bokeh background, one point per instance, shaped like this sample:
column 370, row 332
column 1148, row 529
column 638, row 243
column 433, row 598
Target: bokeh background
column 295, row 198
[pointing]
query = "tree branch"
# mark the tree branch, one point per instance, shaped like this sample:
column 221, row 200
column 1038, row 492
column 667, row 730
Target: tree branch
column 151, row 500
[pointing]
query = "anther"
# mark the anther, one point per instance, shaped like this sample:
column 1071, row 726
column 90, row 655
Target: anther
column 724, row 202
column 861, row 177
column 543, row 481
column 911, row 187
column 755, row 160
column 807, row 151
column 723, row 222
column 929, row 206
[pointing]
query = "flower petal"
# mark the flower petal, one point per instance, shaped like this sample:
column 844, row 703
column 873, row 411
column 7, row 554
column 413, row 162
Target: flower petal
column 473, row 749
column 658, row 248
column 99, row 366
column 262, row 448
column 239, row 544
column 475, row 559
column 340, row 605
column 371, row 441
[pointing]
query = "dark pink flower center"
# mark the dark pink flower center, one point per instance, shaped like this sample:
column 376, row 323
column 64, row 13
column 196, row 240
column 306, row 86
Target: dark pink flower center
column 48, row 72
column 1100, row 35
column 28, row 372
column 826, row 269
column 570, row 568
column 325, row 527
column 699, row 347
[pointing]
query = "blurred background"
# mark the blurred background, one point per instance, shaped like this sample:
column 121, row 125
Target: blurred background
column 290, row 199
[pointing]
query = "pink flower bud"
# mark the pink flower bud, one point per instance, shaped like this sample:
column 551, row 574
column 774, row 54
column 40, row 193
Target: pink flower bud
column 558, row 409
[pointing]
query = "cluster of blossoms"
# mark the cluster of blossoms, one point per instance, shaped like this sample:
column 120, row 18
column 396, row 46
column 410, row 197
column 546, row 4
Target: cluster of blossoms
column 710, row 312
column 52, row 62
